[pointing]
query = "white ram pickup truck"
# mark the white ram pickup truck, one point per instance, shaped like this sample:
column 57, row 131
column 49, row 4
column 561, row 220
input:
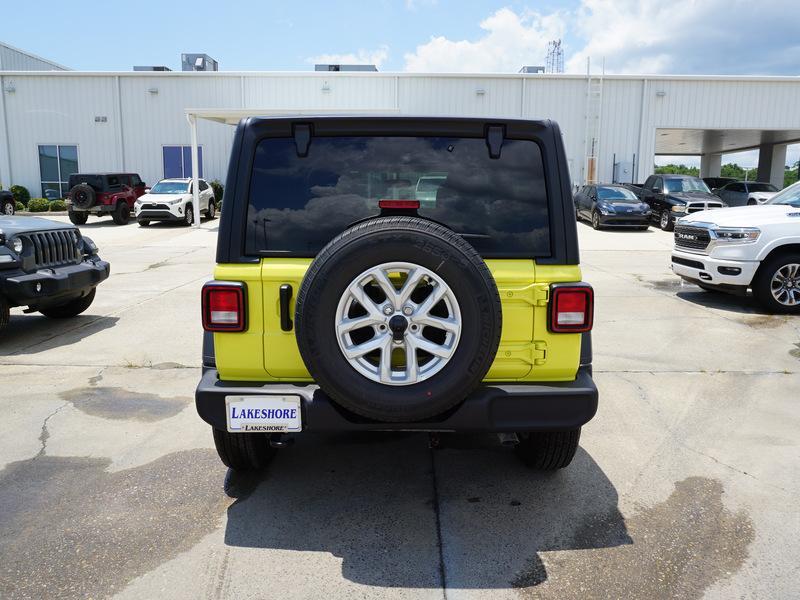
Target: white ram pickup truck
column 749, row 247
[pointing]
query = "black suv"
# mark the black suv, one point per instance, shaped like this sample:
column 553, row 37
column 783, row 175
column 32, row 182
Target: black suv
column 48, row 267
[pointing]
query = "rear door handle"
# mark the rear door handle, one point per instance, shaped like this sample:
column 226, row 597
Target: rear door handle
column 285, row 295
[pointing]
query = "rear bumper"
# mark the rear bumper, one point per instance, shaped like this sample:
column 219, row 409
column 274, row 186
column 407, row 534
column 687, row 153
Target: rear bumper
column 490, row 408
column 55, row 285
column 157, row 215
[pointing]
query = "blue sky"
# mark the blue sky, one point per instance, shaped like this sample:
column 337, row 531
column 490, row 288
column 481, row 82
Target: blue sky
column 632, row 36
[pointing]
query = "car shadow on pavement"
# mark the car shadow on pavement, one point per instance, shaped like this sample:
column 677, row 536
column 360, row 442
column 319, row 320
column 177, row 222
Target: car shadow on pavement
column 31, row 334
column 745, row 305
column 398, row 514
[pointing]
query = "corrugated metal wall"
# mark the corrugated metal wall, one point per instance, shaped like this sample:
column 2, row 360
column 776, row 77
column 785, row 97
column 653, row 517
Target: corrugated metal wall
column 144, row 112
column 12, row 59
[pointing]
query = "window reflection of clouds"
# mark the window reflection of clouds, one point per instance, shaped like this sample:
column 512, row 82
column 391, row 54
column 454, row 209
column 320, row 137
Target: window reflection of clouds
column 300, row 204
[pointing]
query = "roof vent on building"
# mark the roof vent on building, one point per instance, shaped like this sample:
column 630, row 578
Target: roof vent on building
column 345, row 68
column 198, row 62
column 532, row 69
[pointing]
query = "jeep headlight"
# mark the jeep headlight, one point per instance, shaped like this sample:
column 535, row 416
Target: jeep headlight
column 742, row 235
column 16, row 245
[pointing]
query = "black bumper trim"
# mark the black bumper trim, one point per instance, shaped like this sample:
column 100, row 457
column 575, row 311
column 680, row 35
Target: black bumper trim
column 491, row 408
column 157, row 215
column 57, row 284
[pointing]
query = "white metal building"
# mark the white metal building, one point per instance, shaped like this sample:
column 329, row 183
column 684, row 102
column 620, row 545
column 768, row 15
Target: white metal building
column 613, row 128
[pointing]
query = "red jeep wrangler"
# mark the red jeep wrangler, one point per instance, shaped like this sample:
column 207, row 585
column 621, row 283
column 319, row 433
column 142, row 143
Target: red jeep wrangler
column 103, row 193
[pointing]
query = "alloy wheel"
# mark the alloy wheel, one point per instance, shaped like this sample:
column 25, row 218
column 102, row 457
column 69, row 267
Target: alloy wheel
column 398, row 323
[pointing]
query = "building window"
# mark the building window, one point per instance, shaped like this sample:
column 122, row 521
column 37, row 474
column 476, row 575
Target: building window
column 56, row 164
column 178, row 161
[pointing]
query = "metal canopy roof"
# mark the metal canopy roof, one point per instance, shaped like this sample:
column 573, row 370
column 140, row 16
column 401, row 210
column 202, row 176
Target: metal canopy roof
column 719, row 141
column 232, row 116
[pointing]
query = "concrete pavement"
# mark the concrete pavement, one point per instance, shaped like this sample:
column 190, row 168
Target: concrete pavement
column 685, row 484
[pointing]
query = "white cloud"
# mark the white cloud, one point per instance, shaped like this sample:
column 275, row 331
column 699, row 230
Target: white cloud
column 369, row 57
column 510, row 41
column 688, row 36
column 633, row 36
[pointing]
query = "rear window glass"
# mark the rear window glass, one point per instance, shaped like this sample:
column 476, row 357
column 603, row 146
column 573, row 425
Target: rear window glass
column 297, row 205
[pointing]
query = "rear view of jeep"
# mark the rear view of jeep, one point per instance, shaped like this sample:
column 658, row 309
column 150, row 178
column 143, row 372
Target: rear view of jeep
column 347, row 297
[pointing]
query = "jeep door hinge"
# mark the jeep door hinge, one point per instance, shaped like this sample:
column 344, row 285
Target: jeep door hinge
column 541, row 295
column 539, row 353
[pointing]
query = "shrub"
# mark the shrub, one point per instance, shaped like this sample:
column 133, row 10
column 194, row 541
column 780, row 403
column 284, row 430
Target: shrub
column 18, row 206
column 39, row 205
column 219, row 190
column 21, row 193
column 58, row 205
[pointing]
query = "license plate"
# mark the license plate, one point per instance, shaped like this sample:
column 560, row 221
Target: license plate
column 269, row 414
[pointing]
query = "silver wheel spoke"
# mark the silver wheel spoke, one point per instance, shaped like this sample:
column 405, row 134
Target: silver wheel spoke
column 432, row 300
column 412, row 365
column 431, row 348
column 412, row 281
column 365, row 301
column 386, row 360
column 380, row 277
column 450, row 325
column 348, row 325
column 359, row 350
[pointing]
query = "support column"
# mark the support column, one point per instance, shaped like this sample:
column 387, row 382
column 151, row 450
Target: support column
column 772, row 163
column 195, row 171
column 710, row 165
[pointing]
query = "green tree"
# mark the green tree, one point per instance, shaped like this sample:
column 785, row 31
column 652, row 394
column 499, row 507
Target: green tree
column 737, row 172
column 672, row 169
column 790, row 174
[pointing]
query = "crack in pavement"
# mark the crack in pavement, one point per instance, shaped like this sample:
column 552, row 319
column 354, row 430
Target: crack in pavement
column 45, row 434
column 439, row 542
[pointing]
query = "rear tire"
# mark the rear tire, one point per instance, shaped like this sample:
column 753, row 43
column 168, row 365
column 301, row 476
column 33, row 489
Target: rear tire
column 122, row 213
column 243, row 451
column 212, row 210
column 144, row 223
column 548, row 450
column 78, row 217
column 71, row 309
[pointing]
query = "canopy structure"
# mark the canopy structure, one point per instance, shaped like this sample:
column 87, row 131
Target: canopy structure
column 232, row 116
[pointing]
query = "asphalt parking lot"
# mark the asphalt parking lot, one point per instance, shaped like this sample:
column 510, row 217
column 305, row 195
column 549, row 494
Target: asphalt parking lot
column 686, row 484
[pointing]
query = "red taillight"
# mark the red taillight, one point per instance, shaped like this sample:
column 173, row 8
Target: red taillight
column 571, row 308
column 224, row 306
column 398, row 204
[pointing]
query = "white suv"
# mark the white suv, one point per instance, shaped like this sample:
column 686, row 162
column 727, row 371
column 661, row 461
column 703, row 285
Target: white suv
column 171, row 200
column 756, row 247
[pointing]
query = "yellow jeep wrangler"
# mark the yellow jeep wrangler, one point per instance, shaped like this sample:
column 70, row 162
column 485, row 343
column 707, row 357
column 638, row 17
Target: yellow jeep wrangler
column 397, row 273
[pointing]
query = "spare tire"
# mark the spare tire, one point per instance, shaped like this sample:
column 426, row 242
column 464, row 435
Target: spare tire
column 82, row 196
column 398, row 319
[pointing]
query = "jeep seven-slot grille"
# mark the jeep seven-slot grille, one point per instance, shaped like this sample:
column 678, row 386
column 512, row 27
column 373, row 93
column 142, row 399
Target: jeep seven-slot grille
column 54, row 248
column 695, row 238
